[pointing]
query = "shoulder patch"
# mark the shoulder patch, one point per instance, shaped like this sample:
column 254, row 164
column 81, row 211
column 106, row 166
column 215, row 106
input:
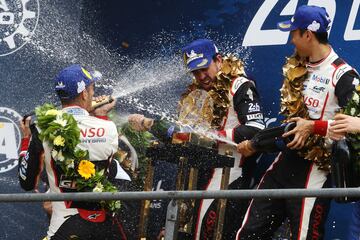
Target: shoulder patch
column 340, row 71
column 338, row 62
column 237, row 83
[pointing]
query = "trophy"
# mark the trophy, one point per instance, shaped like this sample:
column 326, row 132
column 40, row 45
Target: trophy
column 190, row 144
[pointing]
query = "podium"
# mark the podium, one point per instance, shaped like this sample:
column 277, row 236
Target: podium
column 189, row 158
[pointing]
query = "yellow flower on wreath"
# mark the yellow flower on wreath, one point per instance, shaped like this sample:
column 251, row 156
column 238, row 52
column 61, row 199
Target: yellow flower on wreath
column 52, row 112
column 86, row 169
column 59, row 141
column 358, row 88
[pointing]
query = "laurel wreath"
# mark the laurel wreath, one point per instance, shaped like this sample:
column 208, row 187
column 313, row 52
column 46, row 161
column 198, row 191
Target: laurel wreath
column 292, row 105
column 60, row 130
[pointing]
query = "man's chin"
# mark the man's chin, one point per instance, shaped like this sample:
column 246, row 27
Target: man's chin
column 301, row 54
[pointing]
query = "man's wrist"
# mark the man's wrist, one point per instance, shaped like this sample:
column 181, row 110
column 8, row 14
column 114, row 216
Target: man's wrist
column 25, row 143
column 320, row 127
column 99, row 113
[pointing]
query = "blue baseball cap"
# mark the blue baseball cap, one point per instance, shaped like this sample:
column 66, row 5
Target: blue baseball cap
column 311, row 18
column 72, row 80
column 199, row 54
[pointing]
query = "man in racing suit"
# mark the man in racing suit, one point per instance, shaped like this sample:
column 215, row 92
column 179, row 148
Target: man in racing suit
column 236, row 114
column 79, row 220
column 243, row 118
column 327, row 87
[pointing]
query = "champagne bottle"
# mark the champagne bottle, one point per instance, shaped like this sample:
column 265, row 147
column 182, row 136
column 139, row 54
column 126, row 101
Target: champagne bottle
column 164, row 130
column 107, row 99
column 169, row 132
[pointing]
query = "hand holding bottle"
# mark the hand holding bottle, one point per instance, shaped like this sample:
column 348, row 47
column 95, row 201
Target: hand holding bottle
column 139, row 122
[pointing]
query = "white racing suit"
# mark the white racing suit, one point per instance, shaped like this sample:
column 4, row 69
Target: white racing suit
column 329, row 85
column 100, row 138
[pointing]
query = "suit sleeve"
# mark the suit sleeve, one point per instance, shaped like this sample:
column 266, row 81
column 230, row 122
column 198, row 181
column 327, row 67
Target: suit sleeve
column 30, row 160
column 345, row 87
column 248, row 108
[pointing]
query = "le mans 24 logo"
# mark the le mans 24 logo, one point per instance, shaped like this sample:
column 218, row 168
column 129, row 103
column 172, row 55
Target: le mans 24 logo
column 18, row 21
column 10, row 139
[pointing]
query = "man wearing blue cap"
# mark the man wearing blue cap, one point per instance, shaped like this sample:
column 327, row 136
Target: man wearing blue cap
column 317, row 84
column 221, row 97
column 74, row 86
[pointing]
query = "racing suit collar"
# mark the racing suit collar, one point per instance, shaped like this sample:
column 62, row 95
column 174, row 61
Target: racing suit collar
column 76, row 110
column 323, row 61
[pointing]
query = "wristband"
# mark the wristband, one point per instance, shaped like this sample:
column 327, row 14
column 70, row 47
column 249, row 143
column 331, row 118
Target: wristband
column 25, row 144
column 320, row 127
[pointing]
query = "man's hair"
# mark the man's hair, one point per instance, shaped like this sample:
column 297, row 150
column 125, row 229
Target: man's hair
column 322, row 37
column 72, row 101
column 215, row 56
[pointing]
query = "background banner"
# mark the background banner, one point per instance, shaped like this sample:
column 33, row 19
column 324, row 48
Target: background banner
column 136, row 45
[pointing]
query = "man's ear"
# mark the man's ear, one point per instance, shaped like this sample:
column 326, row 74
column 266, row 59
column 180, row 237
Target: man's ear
column 83, row 95
column 309, row 35
column 218, row 58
